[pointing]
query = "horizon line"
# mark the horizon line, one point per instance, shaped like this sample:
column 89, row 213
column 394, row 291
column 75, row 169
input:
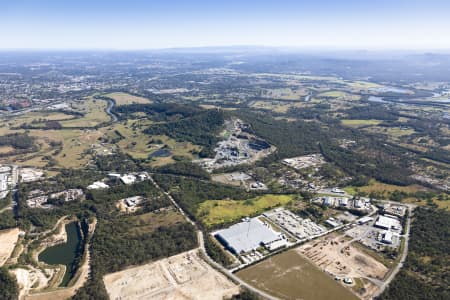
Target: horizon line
column 327, row 48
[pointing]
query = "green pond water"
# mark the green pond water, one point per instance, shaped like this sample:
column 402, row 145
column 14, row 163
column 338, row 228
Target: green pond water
column 64, row 254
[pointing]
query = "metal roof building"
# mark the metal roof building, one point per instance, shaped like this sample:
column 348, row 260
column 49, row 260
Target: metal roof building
column 387, row 223
column 246, row 236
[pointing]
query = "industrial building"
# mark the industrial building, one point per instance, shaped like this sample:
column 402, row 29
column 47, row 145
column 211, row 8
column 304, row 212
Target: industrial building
column 128, row 179
column 3, row 182
column 98, row 185
column 387, row 222
column 249, row 235
column 387, row 237
column 364, row 220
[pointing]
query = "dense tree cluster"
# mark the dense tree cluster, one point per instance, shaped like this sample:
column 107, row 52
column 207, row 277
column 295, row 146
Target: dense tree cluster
column 426, row 274
column 363, row 167
column 372, row 160
column 290, row 138
column 190, row 192
column 7, row 220
column 113, row 248
column 158, row 112
column 119, row 162
column 201, row 129
column 216, row 252
column 103, row 201
column 8, row 285
column 17, row 140
column 371, row 111
column 184, row 168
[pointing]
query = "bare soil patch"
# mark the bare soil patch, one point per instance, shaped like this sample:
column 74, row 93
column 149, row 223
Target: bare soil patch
column 182, row 276
column 8, row 240
column 336, row 256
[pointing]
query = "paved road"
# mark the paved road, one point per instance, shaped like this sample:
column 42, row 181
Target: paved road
column 404, row 254
column 382, row 284
column 208, row 259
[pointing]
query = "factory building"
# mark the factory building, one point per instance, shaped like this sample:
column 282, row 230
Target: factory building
column 3, row 182
column 249, row 235
column 387, row 237
column 387, row 222
column 364, row 220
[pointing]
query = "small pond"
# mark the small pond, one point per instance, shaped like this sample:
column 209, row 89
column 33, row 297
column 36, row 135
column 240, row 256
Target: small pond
column 64, row 254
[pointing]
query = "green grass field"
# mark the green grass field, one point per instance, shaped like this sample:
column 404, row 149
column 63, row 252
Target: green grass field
column 214, row 212
column 126, row 99
column 359, row 123
column 385, row 189
column 149, row 222
column 94, row 111
column 363, row 85
column 37, row 118
column 339, row 94
column 136, row 143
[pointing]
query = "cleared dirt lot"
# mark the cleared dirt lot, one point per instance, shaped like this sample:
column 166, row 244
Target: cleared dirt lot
column 182, row 276
column 289, row 276
column 334, row 254
column 8, row 240
column 340, row 259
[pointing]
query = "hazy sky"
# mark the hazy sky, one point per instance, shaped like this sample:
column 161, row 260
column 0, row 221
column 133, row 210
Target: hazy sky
column 139, row 24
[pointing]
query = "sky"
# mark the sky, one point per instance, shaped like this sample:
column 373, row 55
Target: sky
column 139, row 24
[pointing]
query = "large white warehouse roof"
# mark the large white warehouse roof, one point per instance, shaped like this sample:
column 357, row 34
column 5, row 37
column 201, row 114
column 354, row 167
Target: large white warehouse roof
column 246, row 236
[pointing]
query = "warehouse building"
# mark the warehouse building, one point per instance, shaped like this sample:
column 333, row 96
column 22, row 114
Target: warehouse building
column 388, row 222
column 249, row 235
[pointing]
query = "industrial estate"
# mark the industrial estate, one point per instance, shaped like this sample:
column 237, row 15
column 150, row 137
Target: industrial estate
column 223, row 175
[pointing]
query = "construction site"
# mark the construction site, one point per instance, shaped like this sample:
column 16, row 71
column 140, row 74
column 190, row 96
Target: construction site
column 336, row 255
column 240, row 179
column 130, row 204
column 182, row 276
column 303, row 162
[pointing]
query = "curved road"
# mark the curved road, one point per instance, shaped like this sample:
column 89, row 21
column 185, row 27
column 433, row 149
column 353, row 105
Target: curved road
column 382, row 284
column 208, row 259
column 404, row 254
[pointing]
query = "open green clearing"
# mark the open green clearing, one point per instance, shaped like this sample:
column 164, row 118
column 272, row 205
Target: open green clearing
column 339, row 94
column 126, row 99
column 140, row 145
column 359, row 123
column 213, row 212
column 36, row 118
column 383, row 188
column 151, row 221
column 94, row 114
